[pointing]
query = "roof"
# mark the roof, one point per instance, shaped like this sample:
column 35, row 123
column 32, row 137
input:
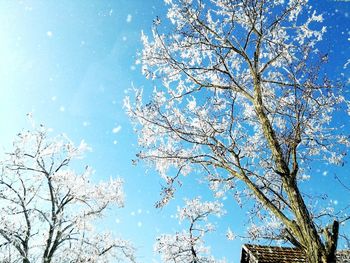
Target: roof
column 343, row 256
column 270, row 254
column 273, row 254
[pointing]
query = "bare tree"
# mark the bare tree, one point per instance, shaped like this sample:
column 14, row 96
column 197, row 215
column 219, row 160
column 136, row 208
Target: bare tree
column 244, row 100
column 188, row 245
column 47, row 209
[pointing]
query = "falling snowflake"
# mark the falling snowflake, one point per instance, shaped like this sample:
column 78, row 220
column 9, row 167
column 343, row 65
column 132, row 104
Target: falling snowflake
column 128, row 18
column 117, row 129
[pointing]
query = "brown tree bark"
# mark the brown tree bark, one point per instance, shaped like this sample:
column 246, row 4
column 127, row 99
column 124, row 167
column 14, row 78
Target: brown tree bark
column 304, row 229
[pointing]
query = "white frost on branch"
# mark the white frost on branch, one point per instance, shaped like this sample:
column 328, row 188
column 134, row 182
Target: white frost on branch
column 48, row 210
column 188, row 245
column 242, row 102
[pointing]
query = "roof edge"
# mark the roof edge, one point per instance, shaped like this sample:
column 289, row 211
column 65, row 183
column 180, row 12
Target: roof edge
column 247, row 250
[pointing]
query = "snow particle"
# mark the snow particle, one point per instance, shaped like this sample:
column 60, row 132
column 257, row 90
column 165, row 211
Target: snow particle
column 116, row 129
column 128, row 18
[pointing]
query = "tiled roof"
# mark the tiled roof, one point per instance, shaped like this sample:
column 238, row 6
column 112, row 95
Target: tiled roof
column 271, row 254
column 343, row 256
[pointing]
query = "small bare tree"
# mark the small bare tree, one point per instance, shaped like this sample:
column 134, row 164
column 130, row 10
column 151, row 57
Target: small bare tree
column 188, row 246
column 47, row 209
column 244, row 100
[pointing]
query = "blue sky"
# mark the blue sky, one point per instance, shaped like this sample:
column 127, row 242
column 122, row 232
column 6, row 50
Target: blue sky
column 71, row 63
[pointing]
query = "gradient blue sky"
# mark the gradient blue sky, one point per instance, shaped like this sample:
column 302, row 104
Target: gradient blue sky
column 70, row 63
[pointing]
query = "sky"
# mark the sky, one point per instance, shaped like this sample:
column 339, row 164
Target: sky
column 71, row 63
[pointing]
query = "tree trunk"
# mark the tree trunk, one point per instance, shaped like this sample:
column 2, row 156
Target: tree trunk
column 315, row 250
column 305, row 231
column 313, row 257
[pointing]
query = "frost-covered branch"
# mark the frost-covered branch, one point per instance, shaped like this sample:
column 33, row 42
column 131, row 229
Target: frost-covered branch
column 188, row 245
column 242, row 98
column 47, row 209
